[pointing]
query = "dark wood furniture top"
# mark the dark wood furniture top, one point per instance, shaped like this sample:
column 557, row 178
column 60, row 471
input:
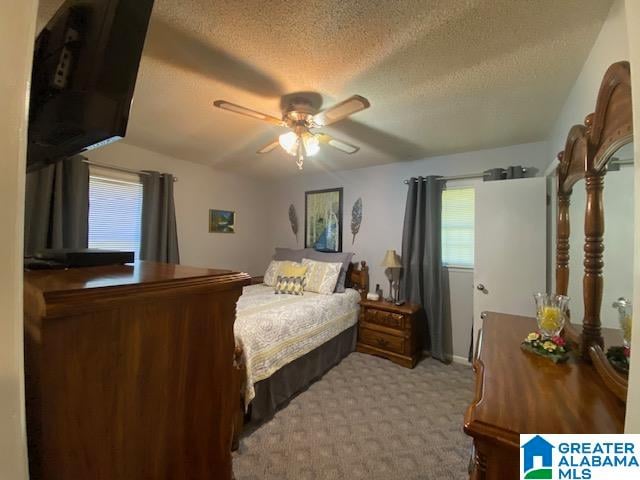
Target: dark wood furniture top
column 57, row 291
column 588, row 150
column 389, row 331
column 520, row 392
column 129, row 371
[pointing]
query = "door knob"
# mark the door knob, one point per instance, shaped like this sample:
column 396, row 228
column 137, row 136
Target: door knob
column 480, row 287
column 483, row 315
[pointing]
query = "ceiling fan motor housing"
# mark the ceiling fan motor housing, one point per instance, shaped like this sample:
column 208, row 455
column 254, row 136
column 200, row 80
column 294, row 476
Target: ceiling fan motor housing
column 299, row 113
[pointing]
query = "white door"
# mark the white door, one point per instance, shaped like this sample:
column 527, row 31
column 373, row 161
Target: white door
column 510, row 247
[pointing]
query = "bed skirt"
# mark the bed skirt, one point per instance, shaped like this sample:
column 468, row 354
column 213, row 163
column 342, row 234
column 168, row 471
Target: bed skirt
column 275, row 392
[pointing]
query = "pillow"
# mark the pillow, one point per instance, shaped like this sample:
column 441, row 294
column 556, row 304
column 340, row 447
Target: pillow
column 292, row 269
column 321, row 276
column 271, row 275
column 291, row 279
column 344, row 257
column 291, row 254
column 290, row 285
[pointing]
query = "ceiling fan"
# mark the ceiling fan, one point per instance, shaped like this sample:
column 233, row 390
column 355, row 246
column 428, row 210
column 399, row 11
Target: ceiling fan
column 301, row 118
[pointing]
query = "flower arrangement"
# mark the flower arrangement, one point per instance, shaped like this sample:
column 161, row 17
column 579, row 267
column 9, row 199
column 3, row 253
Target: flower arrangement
column 619, row 358
column 555, row 347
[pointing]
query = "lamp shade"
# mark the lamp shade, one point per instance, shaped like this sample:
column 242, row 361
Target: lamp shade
column 391, row 260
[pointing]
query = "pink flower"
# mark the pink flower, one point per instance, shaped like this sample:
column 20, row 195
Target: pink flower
column 558, row 340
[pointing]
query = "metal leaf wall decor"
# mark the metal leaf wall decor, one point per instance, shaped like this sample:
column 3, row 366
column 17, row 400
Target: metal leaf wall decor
column 356, row 218
column 293, row 219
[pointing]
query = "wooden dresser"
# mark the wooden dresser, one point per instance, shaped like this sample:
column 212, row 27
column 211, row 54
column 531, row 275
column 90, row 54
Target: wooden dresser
column 389, row 331
column 129, row 372
column 518, row 392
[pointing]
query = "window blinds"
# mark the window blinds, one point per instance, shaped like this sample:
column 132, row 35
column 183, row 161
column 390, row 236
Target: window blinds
column 115, row 210
column 458, row 227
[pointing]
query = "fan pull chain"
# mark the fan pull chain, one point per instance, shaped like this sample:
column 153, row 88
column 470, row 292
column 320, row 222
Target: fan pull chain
column 300, row 160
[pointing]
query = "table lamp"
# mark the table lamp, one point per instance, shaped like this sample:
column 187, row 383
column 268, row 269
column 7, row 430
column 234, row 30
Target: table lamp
column 390, row 262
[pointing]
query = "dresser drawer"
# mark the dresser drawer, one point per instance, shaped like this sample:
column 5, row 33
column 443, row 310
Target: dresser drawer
column 382, row 340
column 387, row 319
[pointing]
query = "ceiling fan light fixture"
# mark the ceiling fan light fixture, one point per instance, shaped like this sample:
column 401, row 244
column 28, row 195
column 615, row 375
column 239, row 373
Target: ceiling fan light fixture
column 300, row 118
column 289, row 142
column 311, row 144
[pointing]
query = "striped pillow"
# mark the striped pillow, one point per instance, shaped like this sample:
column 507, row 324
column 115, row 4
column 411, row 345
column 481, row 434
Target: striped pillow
column 321, row 276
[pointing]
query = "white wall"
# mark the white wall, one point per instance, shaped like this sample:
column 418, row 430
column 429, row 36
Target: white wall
column 383, row 195
column 609, row 47
column 17, row 30
column 633, row 400
column 198, row 189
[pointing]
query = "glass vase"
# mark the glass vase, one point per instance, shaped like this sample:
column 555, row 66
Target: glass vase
column 625, row 315
column 551, row 313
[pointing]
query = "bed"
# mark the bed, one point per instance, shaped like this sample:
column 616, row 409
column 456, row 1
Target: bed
column 286, row 342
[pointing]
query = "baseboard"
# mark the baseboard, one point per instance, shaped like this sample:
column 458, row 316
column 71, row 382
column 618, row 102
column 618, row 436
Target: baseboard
column 454, row 358
column 461, row 360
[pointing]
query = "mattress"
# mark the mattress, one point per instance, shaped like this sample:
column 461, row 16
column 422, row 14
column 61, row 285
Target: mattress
column 274, row 330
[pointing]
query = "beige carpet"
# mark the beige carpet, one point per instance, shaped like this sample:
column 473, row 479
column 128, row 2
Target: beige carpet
column 369, row 419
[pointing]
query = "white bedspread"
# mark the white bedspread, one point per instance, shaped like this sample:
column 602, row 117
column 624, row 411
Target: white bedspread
column 275, row 330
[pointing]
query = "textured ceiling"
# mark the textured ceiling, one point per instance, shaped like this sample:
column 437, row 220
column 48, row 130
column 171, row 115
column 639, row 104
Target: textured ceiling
column 442, row 76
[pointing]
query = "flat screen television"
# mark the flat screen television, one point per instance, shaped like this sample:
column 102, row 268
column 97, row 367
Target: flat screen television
column 85, row 67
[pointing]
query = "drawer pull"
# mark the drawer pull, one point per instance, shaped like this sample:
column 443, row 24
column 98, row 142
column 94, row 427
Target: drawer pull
column 382, row 342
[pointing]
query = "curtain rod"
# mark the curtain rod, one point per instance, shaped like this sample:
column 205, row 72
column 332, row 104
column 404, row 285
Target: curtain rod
column 618, row 161
column 456, row 177
column 462, row 177
column 118, row 169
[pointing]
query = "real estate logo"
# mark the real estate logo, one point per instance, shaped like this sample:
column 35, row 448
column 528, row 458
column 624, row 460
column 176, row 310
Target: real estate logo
column 534, row 449
column 579, row 457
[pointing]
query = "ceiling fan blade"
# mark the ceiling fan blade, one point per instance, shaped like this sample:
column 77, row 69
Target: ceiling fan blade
column 337, row 144
column 341, row 110
column 269, row 146
column 232, row 107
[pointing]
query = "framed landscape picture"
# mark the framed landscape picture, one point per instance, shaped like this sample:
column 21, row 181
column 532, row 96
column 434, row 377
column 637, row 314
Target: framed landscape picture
column 323, row 220
column 222, row 221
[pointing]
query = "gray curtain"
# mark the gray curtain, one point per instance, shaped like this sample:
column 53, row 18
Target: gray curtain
column 424, row 279
column 159, row 236
column 57, row 206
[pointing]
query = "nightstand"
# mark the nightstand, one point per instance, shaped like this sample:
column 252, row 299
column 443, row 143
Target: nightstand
column 389, row 331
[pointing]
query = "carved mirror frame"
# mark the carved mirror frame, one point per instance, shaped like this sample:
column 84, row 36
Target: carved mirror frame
column 587, row 152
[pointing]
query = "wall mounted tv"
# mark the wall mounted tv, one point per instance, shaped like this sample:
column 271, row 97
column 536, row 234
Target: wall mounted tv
column 84, row 73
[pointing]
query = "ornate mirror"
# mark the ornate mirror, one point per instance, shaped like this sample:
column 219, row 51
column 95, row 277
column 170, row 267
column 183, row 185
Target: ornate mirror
column 618, row 236
column 595, row 189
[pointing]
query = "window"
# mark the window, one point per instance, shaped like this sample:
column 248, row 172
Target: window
column 458, row 227
column 115, row 211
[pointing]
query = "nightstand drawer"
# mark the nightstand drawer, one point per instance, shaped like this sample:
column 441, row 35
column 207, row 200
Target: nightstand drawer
column 387, row 319
column 382, row 340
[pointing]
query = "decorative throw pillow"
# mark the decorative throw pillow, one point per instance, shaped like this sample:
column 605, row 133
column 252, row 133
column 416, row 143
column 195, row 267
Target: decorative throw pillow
column 290, row 285
column 271, row 275
column 292, row 269
column 321, row 276
column 291, row 254
column 333, row 257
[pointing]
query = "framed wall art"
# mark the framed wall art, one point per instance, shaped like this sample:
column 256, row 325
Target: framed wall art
column 323, row 220
column 222, row 221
